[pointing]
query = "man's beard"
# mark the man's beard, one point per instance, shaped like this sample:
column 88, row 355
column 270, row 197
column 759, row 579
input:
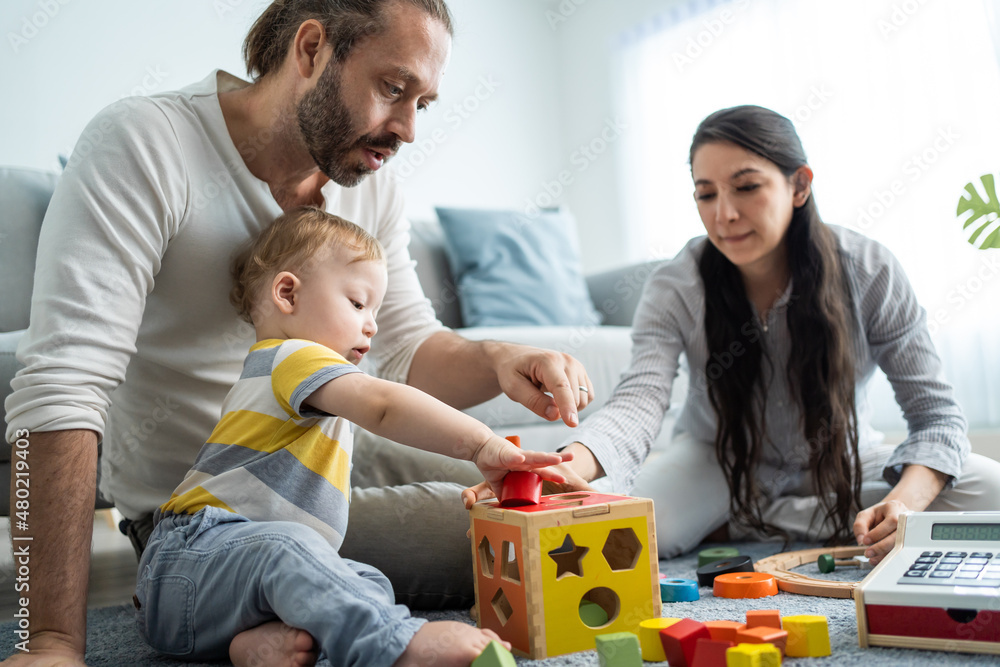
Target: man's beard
column 330, row 133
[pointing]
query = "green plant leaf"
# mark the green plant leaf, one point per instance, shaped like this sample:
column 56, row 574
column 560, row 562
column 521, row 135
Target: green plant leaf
column 982, row 213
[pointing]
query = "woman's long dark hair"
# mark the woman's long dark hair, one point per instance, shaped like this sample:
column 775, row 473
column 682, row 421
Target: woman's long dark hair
column 821, row 369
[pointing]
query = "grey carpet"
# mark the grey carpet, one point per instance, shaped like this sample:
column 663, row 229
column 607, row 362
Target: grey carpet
column 112, row 640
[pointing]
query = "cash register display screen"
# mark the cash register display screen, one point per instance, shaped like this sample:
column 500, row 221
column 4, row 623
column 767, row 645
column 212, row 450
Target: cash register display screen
column 965, row 532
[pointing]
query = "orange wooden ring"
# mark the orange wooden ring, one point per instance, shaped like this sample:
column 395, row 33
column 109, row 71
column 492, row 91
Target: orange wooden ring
column 745, row 585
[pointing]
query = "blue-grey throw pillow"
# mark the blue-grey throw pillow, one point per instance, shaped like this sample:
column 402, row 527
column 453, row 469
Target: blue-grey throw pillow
column 512, row 269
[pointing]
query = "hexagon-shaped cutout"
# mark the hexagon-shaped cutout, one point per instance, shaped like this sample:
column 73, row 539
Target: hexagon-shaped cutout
column 622, row 549
column 501, row 605
column 486, row 557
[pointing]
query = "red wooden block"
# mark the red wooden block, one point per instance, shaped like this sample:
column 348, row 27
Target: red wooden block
column 680, row 639
column 710, row 653
column 520, row 487
column 768, row 618
column 763, row 635
column 724, row 631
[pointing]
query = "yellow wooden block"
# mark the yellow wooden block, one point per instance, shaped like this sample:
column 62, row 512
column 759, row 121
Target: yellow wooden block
column 753, row 655
column 649, row 638
column 808, row 636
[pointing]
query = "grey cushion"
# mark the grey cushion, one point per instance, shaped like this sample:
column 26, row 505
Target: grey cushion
column 24, row 196
column 427, row 248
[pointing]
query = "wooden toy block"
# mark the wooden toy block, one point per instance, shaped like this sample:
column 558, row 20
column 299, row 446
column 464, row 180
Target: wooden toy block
column 724, row 631
column 494, row 655
column 679, row 641
column 618, row 649
column 753, row 655
column 710, row 653
column 769, row 618
column 649, row 638
column 520, row 487
column 808, row 636
column 763, row 635
column 543, row 571
column 593, row 614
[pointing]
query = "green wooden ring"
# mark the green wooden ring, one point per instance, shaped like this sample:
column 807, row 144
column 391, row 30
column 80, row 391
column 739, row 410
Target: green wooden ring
column 706, row 556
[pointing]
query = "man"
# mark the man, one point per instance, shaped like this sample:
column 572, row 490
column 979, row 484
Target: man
column 132, row 284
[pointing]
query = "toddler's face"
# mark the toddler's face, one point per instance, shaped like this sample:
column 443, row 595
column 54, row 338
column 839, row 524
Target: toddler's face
column 337, row 304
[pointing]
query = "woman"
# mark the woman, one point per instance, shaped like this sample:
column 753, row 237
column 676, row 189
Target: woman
column 783, row 320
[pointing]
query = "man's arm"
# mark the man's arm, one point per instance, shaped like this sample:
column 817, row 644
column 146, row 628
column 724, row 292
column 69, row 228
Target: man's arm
column 464, row 373
column 63, row 477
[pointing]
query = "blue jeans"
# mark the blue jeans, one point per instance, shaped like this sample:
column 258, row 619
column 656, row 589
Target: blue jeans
column 205, row 578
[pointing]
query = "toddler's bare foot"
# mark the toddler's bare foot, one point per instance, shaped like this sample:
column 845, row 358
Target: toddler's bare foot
column 446, row 644
column 273, row 644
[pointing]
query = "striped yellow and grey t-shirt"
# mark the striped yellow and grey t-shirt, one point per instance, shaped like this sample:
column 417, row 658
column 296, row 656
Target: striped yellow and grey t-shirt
column 271, row 457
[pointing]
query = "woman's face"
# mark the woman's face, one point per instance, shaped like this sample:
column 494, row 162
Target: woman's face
column 746, row 204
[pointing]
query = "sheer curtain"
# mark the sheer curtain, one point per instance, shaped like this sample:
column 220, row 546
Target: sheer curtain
column 897, row 103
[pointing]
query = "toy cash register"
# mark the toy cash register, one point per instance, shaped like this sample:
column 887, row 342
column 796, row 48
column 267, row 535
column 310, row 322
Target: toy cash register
column 939, row 588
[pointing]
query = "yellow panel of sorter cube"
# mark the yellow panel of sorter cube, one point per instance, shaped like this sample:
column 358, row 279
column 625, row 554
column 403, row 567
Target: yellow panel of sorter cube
column 602, row 562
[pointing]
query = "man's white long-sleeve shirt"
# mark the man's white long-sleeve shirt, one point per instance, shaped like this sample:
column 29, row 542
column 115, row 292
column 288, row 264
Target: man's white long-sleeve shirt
column 132, row 334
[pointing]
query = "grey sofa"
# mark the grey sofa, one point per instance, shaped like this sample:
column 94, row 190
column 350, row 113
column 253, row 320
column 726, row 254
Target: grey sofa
column 604, row 350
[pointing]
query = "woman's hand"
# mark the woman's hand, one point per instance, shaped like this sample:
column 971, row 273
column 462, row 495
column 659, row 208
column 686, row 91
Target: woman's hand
column 498, row 456
column 875, row 528
column 579, row 467
column 571, row 482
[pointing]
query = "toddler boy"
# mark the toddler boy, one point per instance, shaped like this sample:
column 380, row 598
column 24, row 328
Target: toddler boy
column 243, row 558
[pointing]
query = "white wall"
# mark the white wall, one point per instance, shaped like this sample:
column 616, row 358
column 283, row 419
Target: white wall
column 490, row 141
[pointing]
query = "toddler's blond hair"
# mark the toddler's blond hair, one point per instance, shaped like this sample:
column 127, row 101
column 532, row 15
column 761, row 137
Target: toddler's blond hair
column 290, row 243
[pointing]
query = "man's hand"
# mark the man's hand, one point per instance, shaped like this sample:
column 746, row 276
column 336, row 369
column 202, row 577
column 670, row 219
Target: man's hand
column 551, row 384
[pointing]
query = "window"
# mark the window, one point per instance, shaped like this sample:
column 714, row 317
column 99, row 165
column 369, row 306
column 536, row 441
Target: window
column 896, row 104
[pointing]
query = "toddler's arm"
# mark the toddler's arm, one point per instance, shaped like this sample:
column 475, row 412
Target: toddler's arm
column 411, row 417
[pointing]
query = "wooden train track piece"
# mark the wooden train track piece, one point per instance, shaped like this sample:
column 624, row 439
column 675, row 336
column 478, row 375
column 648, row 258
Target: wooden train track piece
column 781, row 566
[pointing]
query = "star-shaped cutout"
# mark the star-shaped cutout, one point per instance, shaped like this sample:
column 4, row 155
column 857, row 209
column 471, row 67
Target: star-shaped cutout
column 568, row 558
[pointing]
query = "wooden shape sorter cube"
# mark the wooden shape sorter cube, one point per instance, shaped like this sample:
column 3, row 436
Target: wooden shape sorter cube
column 537, row 565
